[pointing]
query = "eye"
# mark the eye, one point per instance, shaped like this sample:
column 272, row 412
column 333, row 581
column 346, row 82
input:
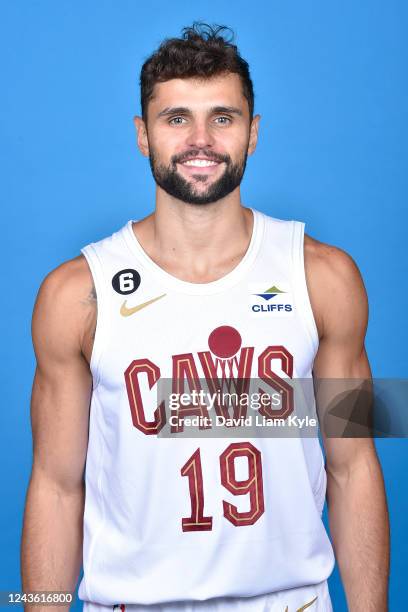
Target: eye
column 176, row 120
column 223, row 120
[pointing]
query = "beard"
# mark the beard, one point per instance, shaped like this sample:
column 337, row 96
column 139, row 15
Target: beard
column 173, row 183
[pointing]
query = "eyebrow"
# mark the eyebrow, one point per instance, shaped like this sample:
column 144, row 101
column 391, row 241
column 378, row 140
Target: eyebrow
column 184, row 110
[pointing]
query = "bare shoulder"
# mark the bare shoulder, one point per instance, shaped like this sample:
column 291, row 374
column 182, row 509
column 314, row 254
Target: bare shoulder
column 336, row 287
column 66, row 306
column 332, row 262
column 71, row 282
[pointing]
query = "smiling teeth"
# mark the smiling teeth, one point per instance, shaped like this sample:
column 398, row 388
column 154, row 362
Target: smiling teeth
column 201, row 163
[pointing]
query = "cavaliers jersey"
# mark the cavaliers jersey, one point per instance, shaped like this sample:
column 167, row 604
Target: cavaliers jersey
column 175, row 518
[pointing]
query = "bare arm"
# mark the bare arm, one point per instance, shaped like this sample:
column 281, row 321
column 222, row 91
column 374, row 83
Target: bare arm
column 64, row 313
column 358, row 515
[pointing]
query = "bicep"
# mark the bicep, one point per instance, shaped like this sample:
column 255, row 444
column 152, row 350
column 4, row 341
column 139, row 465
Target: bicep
column 62, row 383
column 341, row 370
column 59, row 416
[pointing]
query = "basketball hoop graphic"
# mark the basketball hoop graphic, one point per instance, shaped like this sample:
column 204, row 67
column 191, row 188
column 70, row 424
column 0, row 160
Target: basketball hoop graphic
column 227, row 369
column 225, row 342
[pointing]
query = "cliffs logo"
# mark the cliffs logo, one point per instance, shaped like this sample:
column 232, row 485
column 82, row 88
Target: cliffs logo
column 270, row 293
column 272, row 301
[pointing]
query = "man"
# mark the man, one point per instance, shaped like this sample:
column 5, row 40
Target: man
column 207, row 289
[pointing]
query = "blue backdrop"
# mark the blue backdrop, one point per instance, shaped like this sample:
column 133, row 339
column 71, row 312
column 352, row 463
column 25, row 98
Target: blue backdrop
column 331, row 86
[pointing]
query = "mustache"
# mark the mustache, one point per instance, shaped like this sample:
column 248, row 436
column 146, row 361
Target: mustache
column 216, row 157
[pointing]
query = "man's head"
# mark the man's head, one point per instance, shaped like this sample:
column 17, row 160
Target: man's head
column 197, row 125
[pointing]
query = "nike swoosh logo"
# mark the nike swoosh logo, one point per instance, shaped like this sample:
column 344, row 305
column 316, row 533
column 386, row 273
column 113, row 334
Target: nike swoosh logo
column 126, row 312
column 306, row 605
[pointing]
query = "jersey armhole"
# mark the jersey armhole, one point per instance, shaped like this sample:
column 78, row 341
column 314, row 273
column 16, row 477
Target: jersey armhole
column 300, row 285
column 101, row 330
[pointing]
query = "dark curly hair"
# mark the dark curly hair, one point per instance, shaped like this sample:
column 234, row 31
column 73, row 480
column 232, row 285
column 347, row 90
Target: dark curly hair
column 202, row 51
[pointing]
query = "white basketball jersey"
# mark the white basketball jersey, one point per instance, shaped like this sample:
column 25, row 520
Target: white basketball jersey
column 174, row 518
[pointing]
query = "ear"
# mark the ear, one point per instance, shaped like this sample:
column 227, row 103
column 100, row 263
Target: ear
column 253, row 134
column 142, row 140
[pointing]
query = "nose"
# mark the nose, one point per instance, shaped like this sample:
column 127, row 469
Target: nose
column 200, row 135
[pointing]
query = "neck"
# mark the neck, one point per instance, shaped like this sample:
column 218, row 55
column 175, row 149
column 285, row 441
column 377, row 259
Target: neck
column 196, row 243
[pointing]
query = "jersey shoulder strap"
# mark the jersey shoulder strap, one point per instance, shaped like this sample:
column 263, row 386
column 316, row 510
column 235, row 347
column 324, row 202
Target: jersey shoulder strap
column 106, row 258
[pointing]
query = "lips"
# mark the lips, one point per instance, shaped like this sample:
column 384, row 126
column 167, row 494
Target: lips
column 200, row 163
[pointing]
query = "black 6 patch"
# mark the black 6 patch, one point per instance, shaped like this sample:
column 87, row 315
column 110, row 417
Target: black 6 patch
column 126, row 281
